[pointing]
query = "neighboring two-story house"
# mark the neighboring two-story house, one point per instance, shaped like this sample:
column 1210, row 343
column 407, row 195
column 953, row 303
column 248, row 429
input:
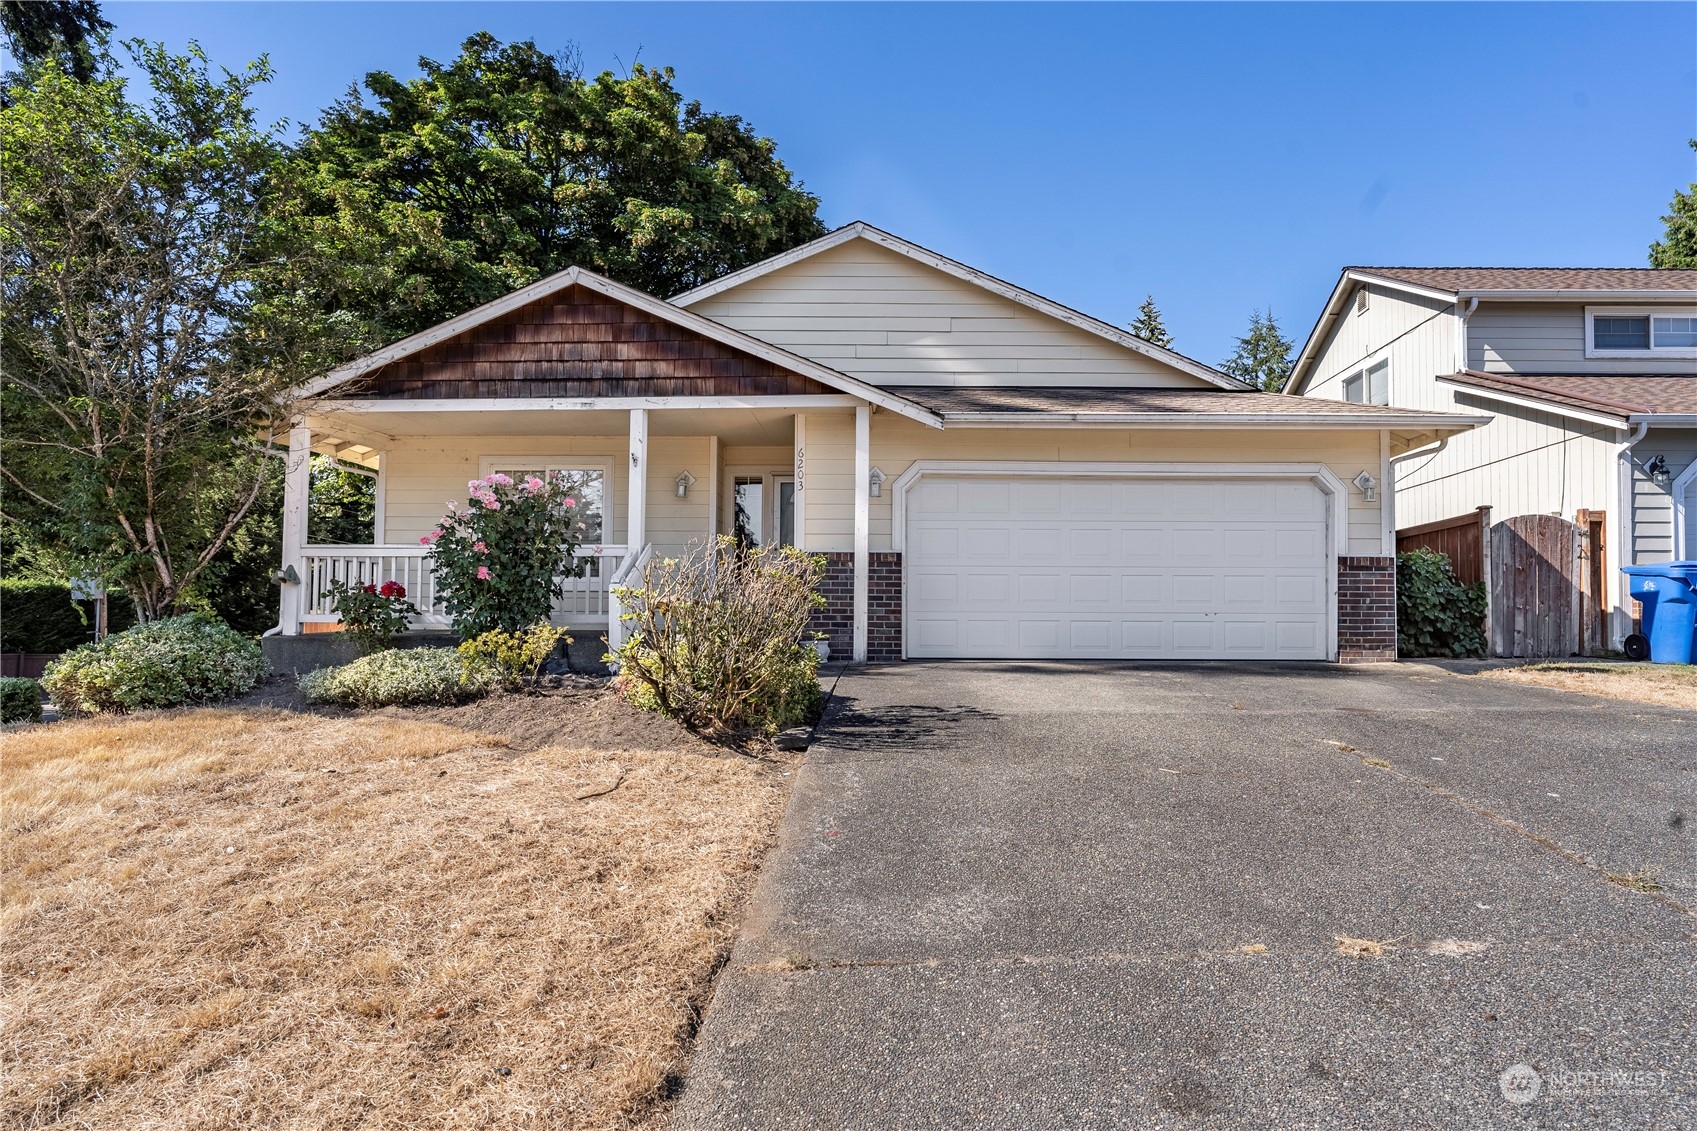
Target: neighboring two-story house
column 1590, row 375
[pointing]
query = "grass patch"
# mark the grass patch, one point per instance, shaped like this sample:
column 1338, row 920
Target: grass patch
column 1663, row 685
column 241, row 918
column 1643, row 880
column 1351, row 947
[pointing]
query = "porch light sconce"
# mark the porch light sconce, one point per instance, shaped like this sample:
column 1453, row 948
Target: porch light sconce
column 685, row 482
column 1657, row 469
column 1368, row 486
column 285, row 576
column 875, row 483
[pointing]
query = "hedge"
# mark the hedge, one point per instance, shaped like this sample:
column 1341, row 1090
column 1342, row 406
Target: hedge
column 20, row 699
column 39, row 616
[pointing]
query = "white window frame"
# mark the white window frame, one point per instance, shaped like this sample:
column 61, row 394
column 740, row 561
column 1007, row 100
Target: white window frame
column 1592, row 313
column 486, row 465
column 1365, row 375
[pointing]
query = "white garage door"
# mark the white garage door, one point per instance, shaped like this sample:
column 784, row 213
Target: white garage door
column 1117, row 569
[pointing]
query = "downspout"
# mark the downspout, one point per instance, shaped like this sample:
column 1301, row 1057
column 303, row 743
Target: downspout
column 1461, row 331
column 1623, row 531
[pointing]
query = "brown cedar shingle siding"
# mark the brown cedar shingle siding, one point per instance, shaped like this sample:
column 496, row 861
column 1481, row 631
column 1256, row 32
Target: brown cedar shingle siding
column 1539, row 278
column 578, row 343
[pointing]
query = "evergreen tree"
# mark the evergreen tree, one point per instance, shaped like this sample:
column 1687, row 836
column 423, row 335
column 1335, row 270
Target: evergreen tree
column 1263, row 355
column 1149, row 326
column 71, row 31
column 1678, row 247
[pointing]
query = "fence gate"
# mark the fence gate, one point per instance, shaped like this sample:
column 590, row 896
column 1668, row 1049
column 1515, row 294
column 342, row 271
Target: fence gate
column 1538, row 562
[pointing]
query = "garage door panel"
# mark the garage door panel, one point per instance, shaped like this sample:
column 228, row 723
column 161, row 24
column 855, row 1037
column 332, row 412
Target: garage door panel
column 1118, row 568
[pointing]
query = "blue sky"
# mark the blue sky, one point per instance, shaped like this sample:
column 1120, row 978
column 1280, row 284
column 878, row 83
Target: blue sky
column 1224, row 157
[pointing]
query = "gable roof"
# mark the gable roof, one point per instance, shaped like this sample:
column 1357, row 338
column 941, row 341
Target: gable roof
column 1622, row 396
column 860, row 230
column 1510, row 283
column 630, row 296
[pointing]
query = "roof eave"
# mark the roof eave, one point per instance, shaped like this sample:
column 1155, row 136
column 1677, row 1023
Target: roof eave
column 1218, row 419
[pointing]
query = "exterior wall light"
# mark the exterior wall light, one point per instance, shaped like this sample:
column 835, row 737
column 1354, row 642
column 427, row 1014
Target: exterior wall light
column 685, row 481
column 1658, row 471
column 1368, row 486
column 875, row 483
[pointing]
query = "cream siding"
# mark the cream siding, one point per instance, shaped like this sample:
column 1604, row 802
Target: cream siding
column 1653, row 525
column 422, row 475
column 881, row 317
column 1415, row 334
column 897, row 443
column 1537, row 337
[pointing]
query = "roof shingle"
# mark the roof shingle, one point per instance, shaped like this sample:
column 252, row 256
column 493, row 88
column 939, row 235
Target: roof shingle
column 1456, row 279
column 1609, row 394
column 1014, row 399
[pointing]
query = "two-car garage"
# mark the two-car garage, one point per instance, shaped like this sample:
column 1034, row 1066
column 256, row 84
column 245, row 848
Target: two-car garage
column 1103, row 566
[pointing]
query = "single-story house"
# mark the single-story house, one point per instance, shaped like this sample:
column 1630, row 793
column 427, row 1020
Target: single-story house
column 1589, row 374
column 988, row 473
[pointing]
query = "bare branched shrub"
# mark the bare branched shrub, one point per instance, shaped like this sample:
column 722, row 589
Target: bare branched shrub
column 718, row 637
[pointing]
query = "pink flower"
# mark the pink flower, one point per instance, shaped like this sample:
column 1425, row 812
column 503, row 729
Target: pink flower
column 425, row 541
column 492, row 503
column 480, row 548
column 571, row 502
column 500, row 480
column 474, row 484
column 483, row 573
column 532, row 483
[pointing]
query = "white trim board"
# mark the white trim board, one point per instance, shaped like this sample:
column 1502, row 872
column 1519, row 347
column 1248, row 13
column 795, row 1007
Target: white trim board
column 861, row 230
column 1533, row 403
column 1682, row 518
column 630, row 296
column 1322, row 476
column 583, row 404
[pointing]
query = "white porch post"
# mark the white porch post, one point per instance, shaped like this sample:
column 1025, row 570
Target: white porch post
column 712, row 492
column 297, row 486
column 636, row 525
column 800, row 430
column 862, row 522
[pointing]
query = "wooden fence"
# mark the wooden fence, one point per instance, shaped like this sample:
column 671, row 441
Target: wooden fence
column 1465, row 539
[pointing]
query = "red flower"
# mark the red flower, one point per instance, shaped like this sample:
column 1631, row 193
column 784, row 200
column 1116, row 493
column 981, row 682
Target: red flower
column 371, row 588
column 392, row 589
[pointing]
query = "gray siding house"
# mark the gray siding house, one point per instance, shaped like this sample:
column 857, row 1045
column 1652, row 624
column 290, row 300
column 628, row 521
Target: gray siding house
column 1589, row 374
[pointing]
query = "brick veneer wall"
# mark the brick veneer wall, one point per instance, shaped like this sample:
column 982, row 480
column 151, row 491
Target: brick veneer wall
column 1366, row 610
column 883, row 606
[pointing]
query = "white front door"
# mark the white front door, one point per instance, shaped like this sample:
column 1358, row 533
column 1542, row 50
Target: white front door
column 1103, row 568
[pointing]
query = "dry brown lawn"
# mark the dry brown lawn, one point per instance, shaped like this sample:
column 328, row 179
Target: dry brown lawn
column 1665, row 685
column 252, row 918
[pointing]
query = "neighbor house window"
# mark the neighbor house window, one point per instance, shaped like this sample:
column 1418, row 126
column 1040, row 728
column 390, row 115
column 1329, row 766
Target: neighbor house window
column 1646, row 333
column 1369, row 386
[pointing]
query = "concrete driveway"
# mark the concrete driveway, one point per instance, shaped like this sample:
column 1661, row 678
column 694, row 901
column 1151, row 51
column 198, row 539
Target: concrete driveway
column 1074, row 896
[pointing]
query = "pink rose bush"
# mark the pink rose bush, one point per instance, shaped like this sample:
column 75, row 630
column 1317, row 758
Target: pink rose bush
column 499, row 559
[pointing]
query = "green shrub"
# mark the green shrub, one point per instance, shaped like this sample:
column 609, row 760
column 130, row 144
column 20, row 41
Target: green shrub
column 20, row 699
column 513, row 659
column 717, row 638
column 399, row 677
column 39, row 616
column 1436, row 615
column 189, row 659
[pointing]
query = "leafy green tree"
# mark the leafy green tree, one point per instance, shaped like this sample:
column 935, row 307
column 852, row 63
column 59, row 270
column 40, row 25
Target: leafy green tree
column 1263, row 355
column 1678, row 245
column 1148, row 324
column 441, row 192
column 141, row 377
column 71, row 31
column 342, row 504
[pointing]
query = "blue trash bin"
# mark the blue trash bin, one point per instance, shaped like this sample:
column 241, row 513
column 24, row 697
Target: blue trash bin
column 1668, row 592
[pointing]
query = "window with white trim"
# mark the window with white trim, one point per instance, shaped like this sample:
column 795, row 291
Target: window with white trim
column 1369, row 386
column 586, row 485
column 1644, row 332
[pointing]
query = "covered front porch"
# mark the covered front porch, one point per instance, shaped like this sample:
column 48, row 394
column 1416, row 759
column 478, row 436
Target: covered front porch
column 656, row 476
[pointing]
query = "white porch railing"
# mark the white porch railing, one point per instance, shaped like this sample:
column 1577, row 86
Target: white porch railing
column 630, row 571
column 584, row 604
